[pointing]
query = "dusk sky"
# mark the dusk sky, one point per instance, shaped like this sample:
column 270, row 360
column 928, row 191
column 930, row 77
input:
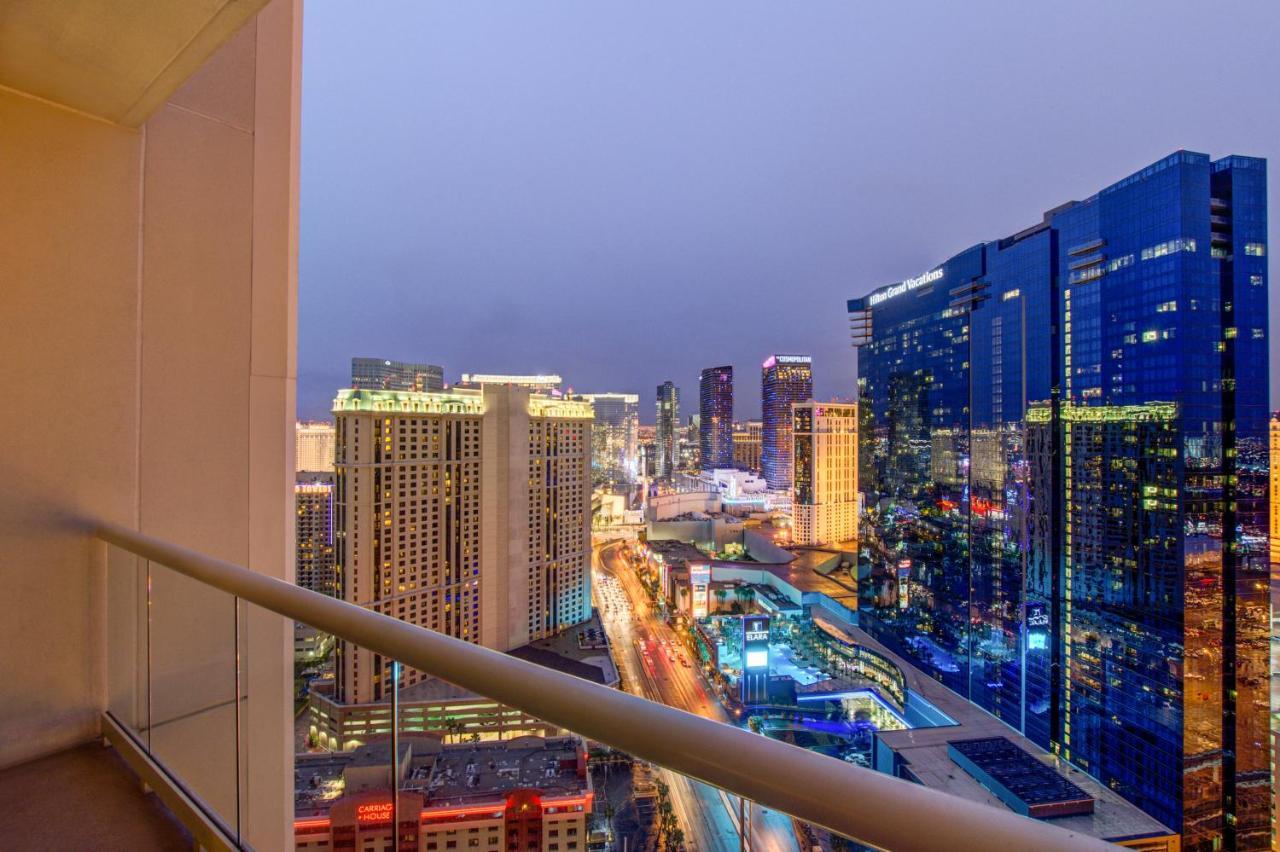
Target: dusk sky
column 624, row 193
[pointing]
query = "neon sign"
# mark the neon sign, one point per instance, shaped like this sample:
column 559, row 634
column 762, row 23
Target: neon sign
column 905, row 286
column 755, row 642
column 374, row 812
column 774, row 360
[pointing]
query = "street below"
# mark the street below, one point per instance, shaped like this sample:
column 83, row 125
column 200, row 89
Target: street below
column 655, row 664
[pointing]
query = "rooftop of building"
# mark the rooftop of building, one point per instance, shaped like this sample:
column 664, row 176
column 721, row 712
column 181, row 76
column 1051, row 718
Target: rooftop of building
column 610, row 396
column 457, row 400
column 926, row 751
column 581, row 650
column 480, row 771
column 701, row 516
column 313, row 481
column 676, row 551
column 446, row 774
column 807, row 580
column 547, row 381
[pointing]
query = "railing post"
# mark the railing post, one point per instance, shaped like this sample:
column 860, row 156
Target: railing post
column 395, row 755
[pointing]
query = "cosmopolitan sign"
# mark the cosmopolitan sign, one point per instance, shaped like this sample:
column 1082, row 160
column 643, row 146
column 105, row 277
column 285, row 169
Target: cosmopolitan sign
column 905, row 287
column 775, row 360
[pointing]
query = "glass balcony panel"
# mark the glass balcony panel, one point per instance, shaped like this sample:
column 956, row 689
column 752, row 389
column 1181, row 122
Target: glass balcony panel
column 194, row 728
column 128, row 699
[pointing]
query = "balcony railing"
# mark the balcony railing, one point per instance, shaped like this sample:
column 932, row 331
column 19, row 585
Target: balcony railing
column 161, row 722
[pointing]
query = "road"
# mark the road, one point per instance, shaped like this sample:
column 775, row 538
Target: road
column 654, row 664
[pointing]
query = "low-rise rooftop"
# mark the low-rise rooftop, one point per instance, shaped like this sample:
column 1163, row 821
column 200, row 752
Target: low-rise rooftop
column 581, row 650
column 444, row 774
column 926, row 753
column 478, row 772
column 673, row 551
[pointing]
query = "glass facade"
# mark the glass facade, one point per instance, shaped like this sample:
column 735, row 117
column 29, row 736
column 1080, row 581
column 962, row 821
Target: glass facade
column 381, row 374
column 715, row 417
column 668, row 424
column 615, row 444
column 1065, row 469
column 785, row 379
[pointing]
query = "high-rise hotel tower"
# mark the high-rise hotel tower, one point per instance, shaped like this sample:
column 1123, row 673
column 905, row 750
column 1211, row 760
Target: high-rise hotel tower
column 1067, row 500
column 466, row 512
column 715, row 417
column 667, row 409
column 784, row 380
column 824, row 496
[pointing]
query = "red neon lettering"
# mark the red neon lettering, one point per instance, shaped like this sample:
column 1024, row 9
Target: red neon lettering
column 373, row 812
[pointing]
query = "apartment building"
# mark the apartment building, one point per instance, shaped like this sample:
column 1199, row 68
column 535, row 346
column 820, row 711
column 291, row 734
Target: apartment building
column 314, row 528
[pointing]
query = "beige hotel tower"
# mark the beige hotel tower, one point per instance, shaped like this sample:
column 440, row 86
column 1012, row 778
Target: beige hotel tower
column 824, row 493
column 467, row 512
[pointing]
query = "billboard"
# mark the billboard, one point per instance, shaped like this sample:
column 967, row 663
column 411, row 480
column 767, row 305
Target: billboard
column 700, row 588
column 755, row 643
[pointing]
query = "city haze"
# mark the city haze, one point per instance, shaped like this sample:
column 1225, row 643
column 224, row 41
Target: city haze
column 624, row 194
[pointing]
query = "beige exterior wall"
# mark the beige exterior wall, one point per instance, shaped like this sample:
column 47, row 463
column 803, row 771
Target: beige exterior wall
column 407, row 548
column 746, row 446
column 481, row 529
column 314, row 444
column 558, row 512
column 505, row 485
column 149, row 282
column 828, row 472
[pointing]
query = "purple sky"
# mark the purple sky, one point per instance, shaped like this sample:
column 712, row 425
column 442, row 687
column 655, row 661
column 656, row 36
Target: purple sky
column 629, row 192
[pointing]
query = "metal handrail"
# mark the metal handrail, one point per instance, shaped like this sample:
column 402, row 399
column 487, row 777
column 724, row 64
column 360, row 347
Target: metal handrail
column 859, row 803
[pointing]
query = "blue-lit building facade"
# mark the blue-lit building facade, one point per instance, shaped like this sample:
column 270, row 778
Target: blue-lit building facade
column 715, row 417
column 1065, row 479
column 784, row 381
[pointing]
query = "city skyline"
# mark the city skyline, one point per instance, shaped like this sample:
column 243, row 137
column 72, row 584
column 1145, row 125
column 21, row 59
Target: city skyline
column 287, row 573
column 758, row 185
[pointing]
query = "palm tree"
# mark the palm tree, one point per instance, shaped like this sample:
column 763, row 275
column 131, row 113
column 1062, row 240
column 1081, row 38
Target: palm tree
column 453, row 726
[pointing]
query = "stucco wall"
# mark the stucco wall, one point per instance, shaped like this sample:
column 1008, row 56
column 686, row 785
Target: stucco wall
column 149, row 288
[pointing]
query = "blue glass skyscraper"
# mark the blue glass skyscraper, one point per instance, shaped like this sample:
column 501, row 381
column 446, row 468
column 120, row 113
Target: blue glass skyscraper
column 715, row 417
column 784, row 380
column 1067, row 498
